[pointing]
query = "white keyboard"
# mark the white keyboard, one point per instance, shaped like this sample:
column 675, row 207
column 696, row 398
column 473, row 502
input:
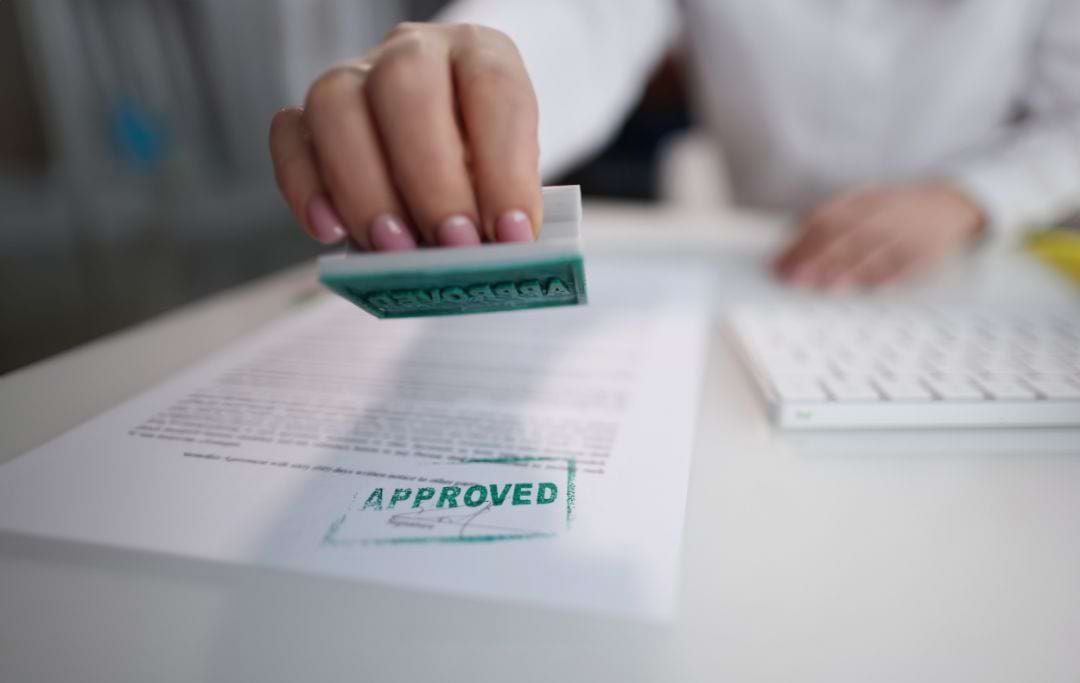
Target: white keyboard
column 845, row 366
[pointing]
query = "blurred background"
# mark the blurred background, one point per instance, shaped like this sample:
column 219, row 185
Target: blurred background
column 134, row 173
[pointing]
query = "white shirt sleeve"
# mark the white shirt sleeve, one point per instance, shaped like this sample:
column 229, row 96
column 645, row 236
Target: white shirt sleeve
column 588, row 61
column 1030, row 176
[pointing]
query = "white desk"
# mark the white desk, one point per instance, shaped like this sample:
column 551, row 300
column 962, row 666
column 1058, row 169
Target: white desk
column 874, row 560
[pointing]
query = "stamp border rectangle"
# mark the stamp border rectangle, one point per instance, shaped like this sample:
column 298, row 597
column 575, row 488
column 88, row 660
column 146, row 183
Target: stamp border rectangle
column 330, row 537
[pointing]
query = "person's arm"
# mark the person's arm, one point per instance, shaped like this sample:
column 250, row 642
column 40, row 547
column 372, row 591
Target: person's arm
column 588, row 61
column 1031, row 174
column 434, row 136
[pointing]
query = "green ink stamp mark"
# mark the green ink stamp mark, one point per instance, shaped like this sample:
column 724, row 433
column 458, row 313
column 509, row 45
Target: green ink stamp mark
column 459, row 508
column 571, row 472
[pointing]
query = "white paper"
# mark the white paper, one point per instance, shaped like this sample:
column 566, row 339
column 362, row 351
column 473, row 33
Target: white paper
column 271, row 452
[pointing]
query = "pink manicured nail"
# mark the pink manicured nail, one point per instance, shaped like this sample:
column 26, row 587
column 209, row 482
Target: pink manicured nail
column 387, row 233
column 326, row 225
column 457, row 231
column 514, row 226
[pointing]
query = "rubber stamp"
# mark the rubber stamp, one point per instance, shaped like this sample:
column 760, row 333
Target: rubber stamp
column 482, row 279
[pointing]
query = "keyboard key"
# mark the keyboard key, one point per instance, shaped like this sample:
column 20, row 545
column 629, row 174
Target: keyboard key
column 851, row 390
column 799, row 388
column 903, row 389
column 1055, row 388
column 954, row 388
column 1005, row 389
column 1046, row 363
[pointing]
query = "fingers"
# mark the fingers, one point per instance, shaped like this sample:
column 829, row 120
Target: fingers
column 875, row 249
column 499, row 116
column 351, row 161
column 831, row 263
column 872, row 238
column 411, row 96
column 432, row 136
column 298, row 177
column 820, row 230
column 890, row 262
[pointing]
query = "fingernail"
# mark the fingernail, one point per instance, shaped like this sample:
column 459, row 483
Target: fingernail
column 326, row 226
column 514, row 226
column 457, row 231
column 387, row 233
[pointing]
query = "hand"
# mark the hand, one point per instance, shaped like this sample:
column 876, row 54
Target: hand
column 875, row 236
column 432, row 137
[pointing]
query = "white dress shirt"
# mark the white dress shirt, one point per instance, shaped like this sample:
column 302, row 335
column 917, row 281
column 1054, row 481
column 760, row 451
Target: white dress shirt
column 809, row 97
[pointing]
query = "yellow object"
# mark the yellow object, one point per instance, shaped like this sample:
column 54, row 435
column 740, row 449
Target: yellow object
column 1060, row 249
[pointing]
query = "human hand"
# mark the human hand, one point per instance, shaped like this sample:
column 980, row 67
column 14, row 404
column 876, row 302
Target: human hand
column 432, row 138
column 874, row 236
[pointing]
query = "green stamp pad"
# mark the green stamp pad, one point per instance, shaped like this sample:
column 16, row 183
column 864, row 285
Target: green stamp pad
column 482, row 279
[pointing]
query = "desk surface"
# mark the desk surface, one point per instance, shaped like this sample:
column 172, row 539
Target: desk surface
column 865, row 559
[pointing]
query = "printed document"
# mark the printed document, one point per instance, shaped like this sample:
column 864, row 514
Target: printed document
column 540, row 457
